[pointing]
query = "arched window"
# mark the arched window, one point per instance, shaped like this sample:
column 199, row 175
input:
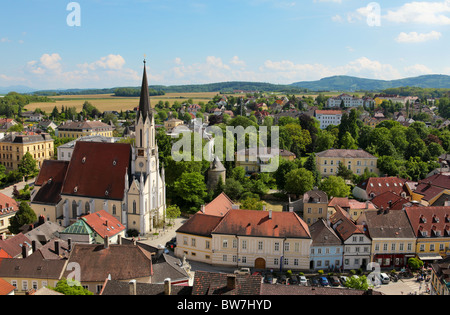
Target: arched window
column 134, row 207
column 87, row 208
column 74, row 209
column 114, row 210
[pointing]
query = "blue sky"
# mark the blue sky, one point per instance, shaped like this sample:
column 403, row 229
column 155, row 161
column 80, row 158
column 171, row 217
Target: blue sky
column 205, row 41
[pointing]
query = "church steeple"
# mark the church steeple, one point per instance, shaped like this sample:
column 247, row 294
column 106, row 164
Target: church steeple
column 144, row 102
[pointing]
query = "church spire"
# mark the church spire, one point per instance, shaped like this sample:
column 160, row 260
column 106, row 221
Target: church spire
column 144, row 102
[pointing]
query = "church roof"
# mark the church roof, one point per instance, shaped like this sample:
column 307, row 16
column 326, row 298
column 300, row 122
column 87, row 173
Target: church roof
column 98, row 170
column 144, row 102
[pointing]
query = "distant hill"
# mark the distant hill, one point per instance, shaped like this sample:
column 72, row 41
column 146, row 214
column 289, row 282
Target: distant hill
column 335, row 83
column 348, row 83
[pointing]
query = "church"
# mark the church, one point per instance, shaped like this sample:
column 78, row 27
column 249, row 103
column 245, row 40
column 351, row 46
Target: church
column 124, row 180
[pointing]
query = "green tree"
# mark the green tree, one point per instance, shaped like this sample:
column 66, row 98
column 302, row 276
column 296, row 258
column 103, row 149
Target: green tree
column 28, row 166
column 190, row 190
column 344, row 172
column 415, row 263
column 70, row 288
column 359, row 283
column 233, row 188
column 310, row 165
column 335, row 186
column 25, row 215
column 299, row 181
column 283, row 169
column 252, row 203
column 173, row 212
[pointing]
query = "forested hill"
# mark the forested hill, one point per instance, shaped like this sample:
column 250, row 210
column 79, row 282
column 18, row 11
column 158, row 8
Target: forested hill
column 348, row 83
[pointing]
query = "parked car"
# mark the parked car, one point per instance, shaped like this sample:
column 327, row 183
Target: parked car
column 324, row 281
column 293, row 279
column 302, row 280
column 384, row 278
column 282, row 279
column 172, row 243
column 242, row 271
column 343, row 280
column 268, row 278
column 315, row 282
column 334, row 281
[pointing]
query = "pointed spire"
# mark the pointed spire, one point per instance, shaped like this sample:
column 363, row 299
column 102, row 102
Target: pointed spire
column 144, row 102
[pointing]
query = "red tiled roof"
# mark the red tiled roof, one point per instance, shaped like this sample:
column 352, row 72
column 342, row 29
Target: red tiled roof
column 258, row 223
column 346, row 227
column 200, row 224
column 339, row 201
column 432, row 186
column 7, row 205
column 329, row 112
column 382, row 201
column 51, row 179
column 378, row 185
column 219, row 206
column 429, row 219
column 5, row 287
column 13, row 245
column 98, row 170
column 104, row 224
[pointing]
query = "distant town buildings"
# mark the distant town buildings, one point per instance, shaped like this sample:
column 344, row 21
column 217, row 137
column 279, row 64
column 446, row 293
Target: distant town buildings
column 355, row 160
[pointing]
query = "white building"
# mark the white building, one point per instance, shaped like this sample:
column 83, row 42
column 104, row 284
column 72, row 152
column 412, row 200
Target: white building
column 349, row 101
column 328, row 117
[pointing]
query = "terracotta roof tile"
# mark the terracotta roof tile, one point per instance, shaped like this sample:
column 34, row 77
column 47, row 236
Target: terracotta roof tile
column 51, row 179
column 219, row 206
column 103, row 223
column 432, row 220
column 98, row 170
column 5, row 287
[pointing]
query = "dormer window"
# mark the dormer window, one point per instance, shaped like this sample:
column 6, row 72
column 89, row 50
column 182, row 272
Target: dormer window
column 423, row 219
column 435, row 219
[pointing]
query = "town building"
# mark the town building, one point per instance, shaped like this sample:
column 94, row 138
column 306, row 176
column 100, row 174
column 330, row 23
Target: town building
column 431, row 226
column 430, row 189
column 440, row 277
column 375, row 186
column 349, row 101
column 326, row 248
column 126, row 181
column 246, row 238
column 15, row 145
column 328, row 117
column 256, row 160
column 8, row 209
column 393, row 239
column 352, row 206
column 78, row 129
column 357, row 243
column 355, row 160
column 315, row 206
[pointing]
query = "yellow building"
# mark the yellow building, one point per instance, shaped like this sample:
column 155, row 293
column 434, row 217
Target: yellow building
column 431, row 226
column 246, row 238
column 315, row 206
column 355, row 160
column 78, row 129
column 33, row 272
column 252, row 160
column 172, row 123
column 14, row 146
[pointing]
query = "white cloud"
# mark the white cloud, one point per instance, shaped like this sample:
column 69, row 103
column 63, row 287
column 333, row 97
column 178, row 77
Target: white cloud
column 337, row 18
column 414, row 37
column 421, row 13
column 417, row 69
column 237, row 62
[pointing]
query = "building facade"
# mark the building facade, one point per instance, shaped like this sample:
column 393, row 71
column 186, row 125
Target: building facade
column 15, row 145
column 328, row 117
column 78, row 129
column 355, row 160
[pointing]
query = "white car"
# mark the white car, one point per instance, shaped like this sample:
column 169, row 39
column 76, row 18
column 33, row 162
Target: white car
column 302, row 280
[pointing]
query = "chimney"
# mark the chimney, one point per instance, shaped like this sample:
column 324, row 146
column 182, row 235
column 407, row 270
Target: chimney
column 231, row 282
column 202, row 209
column 106, row 244
column 235, row 207
column 119, row 239
column 291, row 209
column 132, row 285
column 264, row 208
column 270, row 214
column 33, row 245
column 57, row 247
column 24, row 250
column 167, row 286
column 69, row 242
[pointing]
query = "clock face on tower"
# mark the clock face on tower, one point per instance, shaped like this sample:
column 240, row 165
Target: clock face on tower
column 141, row 164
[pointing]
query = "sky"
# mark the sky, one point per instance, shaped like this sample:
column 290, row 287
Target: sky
column 60, row 44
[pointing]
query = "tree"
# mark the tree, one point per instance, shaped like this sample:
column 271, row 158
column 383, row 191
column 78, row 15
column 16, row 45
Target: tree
column 25, row 215
column 335, row 186
column 28, row 166
column 252, row 203
column 70, row 288
column 299, row 181
column 300, row 138
column 190, row 190
column 310, row 165
column 283, row 169
column 359, row 283
column 233, row 188
column 173, row 212
column 344, row 172
column 415, row 263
